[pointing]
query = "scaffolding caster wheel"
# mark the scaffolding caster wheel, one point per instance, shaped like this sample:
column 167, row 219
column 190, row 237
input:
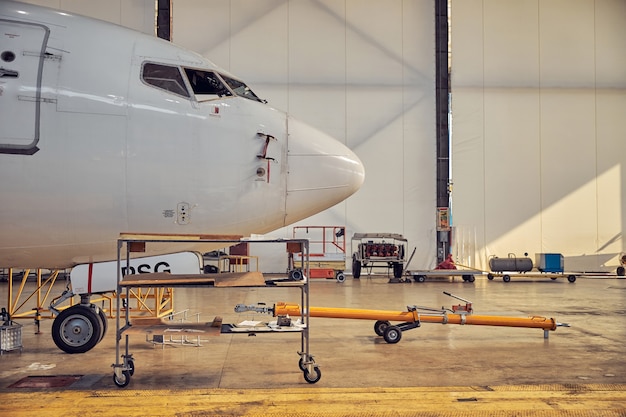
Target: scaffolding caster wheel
column 121, row 380
column 312, row 377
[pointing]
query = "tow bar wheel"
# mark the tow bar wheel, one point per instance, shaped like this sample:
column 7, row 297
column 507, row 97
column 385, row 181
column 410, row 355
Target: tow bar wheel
column 380, row 326
column 392, row 334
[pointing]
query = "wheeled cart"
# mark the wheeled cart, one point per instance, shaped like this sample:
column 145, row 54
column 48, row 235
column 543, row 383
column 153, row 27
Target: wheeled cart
column 376, row 250
column 467, row 275
column 506, row 276
column 124, row 366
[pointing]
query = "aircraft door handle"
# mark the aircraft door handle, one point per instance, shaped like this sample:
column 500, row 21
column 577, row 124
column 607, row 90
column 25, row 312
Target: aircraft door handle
column 8, row 73
column 268, row 138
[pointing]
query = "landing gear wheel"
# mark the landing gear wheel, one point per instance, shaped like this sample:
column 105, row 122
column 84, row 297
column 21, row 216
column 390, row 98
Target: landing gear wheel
column 77, row 329
column 340, row 277
column 122, row 381
column 313, row 377
column 392, row 334
column 506, row 278
column 104, row 322
column 380, row 326
column 356, row 269
column 571, row 278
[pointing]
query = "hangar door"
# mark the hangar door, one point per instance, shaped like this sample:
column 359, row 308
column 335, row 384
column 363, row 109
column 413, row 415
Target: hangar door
column 538, row 105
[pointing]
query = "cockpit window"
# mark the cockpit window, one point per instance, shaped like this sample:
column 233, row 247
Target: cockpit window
column 206, row 83
column 164, row 77
column 241, row 89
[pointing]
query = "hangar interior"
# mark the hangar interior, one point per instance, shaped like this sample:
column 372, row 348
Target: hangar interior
column 537, row 98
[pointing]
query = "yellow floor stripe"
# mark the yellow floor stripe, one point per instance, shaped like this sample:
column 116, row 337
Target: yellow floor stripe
column 509, row 401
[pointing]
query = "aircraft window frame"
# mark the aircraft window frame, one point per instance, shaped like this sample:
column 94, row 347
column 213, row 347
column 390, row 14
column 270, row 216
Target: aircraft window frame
column 172, row 82
column 207, row 84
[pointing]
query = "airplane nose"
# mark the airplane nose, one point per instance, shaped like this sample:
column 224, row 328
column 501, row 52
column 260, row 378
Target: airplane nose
column 322, row 171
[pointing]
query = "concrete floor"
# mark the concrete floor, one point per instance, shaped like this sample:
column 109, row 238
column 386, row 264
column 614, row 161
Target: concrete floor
column 590, row 353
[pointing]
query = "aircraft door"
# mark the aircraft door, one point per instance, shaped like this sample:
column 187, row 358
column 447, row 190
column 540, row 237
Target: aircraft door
column 22, row 48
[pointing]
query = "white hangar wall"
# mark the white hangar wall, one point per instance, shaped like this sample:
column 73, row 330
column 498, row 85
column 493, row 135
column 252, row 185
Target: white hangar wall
column 362, row 71
column 539, row 122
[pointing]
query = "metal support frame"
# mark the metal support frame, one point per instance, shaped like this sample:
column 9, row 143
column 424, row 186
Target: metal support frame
column 124, row 367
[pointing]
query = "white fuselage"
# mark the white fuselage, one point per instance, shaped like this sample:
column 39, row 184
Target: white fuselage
column 95, row 140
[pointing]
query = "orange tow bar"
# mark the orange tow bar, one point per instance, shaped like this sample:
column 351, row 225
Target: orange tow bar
column 412, row 318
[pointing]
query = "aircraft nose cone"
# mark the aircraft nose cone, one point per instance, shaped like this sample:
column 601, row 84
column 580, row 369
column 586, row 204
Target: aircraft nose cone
column 322, row 171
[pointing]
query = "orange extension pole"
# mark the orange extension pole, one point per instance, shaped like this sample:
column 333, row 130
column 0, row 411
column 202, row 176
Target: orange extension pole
column 537, row 322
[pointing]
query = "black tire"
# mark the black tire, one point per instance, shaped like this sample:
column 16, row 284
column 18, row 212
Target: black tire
column 312, row 378
column 621, row 271
column 398, row 269
column 380, row 326
column 131, row 367
column 571, row 278
column 340, row 277
column 490, row 277
column 356, row 269
column 419, row 278
column 301, row 365
column 296, row 275
column 105, row 323
column 123, row 381
column 506, row 278
column 469, row 278
column 392, row 334
column 77, row 329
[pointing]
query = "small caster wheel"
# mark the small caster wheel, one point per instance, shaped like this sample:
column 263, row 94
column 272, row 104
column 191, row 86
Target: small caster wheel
column 571, row 278
column 131, row 367
column 123, row 380
column 392, row 334
column 490, row 277
column 302, row 364
column 295, row 275
column 380, row 326
column 312, row 377
column 506, row 278
column 340, row 277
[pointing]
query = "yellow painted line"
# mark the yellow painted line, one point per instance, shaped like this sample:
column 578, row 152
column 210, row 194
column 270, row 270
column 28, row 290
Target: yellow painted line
column 604, row 400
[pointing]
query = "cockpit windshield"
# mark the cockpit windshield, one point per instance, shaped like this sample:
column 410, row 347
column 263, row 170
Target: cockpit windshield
column 210, row 85
column 206, row 83
column 240, row 88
